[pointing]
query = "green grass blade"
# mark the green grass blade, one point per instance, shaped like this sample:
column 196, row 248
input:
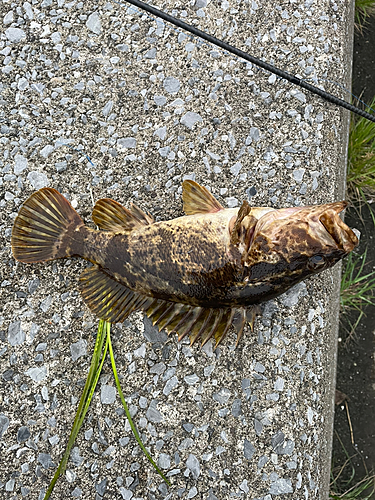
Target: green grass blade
column 361, row 157
column 133, row 428
column 88, row 391
column 356, row 288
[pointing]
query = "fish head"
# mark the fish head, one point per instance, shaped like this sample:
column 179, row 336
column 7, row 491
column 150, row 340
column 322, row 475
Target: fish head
column 296, row 242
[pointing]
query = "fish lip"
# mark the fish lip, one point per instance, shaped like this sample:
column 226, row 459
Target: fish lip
column 344, row 238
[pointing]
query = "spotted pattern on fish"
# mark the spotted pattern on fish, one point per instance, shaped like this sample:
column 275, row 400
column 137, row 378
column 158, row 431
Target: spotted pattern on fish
column 195, row 275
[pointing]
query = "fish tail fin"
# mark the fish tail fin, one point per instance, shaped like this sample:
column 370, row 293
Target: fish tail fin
column 45, row 228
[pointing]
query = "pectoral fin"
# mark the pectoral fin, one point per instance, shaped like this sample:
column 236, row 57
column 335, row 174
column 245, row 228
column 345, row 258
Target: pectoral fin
column 107, row 298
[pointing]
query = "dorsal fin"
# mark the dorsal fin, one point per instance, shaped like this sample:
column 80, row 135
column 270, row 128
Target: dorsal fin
column 111, row 216
column 197, row 199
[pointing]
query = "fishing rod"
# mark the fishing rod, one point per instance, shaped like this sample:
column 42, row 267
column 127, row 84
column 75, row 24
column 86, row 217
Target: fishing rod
column 258, row 62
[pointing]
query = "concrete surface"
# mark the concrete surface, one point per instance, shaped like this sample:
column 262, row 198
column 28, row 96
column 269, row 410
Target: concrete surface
column 151, row 107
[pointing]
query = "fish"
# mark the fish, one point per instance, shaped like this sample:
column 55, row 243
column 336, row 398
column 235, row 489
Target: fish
column 195, row 275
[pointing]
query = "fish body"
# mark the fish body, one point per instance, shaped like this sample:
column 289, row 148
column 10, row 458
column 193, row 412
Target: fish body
column 194, row 275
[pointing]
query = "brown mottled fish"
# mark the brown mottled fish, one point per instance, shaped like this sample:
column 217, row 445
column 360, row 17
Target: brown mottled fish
column 195, row 275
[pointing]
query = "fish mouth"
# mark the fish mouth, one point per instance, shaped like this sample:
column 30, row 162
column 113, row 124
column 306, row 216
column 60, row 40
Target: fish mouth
column 325, row 226
column 341, row 234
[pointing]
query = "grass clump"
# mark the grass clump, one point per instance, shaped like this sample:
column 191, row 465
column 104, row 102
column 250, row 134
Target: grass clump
column 363, row 10
column 357, row 288
column 361, row 157
column 343, row 485
column 363, row 490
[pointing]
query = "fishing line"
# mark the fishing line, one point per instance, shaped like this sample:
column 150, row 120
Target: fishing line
column 201, row 43
column 254, row 60
column 241, row 55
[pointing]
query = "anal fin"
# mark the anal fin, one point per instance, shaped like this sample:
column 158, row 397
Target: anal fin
column 198, row 322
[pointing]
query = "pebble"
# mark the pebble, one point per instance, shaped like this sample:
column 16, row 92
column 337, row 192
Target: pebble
column 292, row 296
column 236, row 168
column 158, row 368
column 160, row 100
column 108, row 394
column 192, row 492
column 259, row 368
column 15, row 335
column 46, row 151
column 151, row 53
column 28, row 10
column 94, row 24
column 77, row 492
column 75, row 456
column 258, row 426
column 141, row 351
column 15, row 35
column 280, row 487
column 126, row 494
column 191, row 379
column 45, row 460
column 33, row 285
column 9, row 485
column 8, row 18
column 153, row 414
column 61, row 166
column 46, row 303
column 23, row 434
column 161, row 132
column 38, row 180
column 236, row 408
column 127, row 142
column 193, row 465
column 170, row 385
column 222, row 396
column 78, row 349
column 277, row 441
column 164, row 461
column 231, row 202
column 190, row 119
column 171, row 85
column 279, row 384
column 152, row 334
column 20, row 164
column 298, row 174
column 37, row 373
column 248, row 449
column 4, row 424
column 107, row 108
column 101, row 487
column 262, row 461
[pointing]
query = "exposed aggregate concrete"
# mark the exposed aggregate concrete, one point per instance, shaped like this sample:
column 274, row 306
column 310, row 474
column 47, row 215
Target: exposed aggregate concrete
column 99, row 100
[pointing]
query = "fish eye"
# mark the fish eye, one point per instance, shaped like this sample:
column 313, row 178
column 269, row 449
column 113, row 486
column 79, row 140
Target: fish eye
column 316, row 262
